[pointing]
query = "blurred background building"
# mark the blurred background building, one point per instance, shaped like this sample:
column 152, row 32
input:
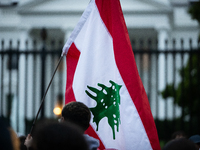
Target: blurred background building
column 30, row 28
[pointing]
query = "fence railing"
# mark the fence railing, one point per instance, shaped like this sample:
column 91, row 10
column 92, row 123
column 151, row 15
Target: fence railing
column 171, row 78
column 25, row 75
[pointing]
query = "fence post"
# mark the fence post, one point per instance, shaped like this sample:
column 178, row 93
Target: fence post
column 2, row 77
column 43, row 57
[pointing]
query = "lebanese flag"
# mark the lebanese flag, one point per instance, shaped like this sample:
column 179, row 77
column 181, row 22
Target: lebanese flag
column 102, row 73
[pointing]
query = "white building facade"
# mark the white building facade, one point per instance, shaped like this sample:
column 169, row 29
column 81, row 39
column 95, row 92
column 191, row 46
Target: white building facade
column 158, row 20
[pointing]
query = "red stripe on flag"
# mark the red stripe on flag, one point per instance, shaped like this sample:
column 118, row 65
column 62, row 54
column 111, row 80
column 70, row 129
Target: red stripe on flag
column 90, row 131
column 72, row 61
column 112, row 16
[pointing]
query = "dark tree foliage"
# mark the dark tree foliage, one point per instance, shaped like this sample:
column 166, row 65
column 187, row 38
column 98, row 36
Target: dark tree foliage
column 194, row 10
column 187, row 93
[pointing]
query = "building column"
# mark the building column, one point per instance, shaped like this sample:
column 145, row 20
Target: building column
column 163, row 35
column 19, row 103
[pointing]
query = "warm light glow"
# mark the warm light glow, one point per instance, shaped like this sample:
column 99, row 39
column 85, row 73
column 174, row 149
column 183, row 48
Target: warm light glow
column 57, row 111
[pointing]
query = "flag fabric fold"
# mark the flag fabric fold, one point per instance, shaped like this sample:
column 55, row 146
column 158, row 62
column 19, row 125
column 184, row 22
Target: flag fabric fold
column 102, row 73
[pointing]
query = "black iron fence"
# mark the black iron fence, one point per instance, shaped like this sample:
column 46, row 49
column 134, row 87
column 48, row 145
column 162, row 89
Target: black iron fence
column 171, row 78
column 25, row 75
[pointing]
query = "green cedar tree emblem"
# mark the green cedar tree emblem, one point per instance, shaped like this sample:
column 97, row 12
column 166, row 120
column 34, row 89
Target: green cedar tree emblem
column 108, row 101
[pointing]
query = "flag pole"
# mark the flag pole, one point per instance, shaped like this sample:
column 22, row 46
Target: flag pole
column 42, row 101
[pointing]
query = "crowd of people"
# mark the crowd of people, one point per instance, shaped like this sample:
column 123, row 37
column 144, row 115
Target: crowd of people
column 69, row 134
column 180, row 141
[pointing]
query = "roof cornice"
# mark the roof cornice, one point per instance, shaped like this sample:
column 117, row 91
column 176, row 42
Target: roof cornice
column 157, row 4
